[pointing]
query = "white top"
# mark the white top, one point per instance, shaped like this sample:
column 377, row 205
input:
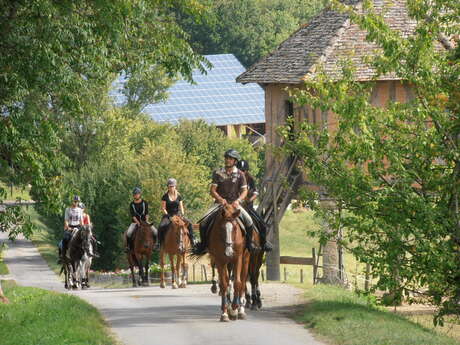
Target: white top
column 74, row 216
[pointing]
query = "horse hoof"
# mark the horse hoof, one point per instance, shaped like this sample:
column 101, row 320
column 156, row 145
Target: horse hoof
column 233, row 317
column 162, row 285
column 174, row 286
column 224, row 318
column 241, row 316
column 183, row 286
column 214, row 289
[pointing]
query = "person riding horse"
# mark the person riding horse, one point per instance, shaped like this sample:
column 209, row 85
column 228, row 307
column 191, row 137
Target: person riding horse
column 248, row 205
column 73, row 220
column 87, row 223
column 172, row 204
column 139, row 210
column 228, row 186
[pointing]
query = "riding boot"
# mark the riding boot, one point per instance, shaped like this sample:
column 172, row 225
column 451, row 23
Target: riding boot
column 201, row 247
column 127, row 244
column 249, row 244
column 264, row 243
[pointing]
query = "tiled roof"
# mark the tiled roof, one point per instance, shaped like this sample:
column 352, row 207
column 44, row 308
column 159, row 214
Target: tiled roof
column 326, row 41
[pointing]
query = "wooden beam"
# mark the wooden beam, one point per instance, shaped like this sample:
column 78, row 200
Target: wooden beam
column 293, row 260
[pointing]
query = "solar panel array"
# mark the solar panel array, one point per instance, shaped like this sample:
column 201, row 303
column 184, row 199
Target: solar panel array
column 215, row 98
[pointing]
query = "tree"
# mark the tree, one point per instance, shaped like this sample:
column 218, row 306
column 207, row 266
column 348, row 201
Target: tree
column 394, row 171
column 250, row 29
column 58, row 58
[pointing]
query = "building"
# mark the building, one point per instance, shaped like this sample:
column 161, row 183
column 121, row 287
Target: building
column 323, row 44
column 216, row 98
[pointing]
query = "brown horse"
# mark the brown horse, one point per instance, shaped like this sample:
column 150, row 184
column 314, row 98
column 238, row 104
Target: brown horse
column 176, row 245
column 141, row 252
column 227, row 248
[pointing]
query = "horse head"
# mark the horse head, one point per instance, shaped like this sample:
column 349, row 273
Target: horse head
column 86, row 235
column 229, row 215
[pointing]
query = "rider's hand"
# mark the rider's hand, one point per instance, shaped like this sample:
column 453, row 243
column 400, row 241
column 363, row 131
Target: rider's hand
column 236, row 204
column 223, row 202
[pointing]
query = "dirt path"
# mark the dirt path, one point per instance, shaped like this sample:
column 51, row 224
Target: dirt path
column 150, row 315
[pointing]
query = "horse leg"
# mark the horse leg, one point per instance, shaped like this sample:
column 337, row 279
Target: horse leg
column 141, row 269
column 184, row 271
column 131, row 267
column 178, row 270
column 173, row 271
column 223, row 285
column 258, row 300
column 147, row 266
column 162, row 268
column 214, row 280
column 241, row 284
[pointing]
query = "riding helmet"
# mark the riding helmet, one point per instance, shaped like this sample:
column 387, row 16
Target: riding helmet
column 172, row 182
column 232, row 154
column 81, row 205
column 137, row 190
column 76, row 198
column 243, row 165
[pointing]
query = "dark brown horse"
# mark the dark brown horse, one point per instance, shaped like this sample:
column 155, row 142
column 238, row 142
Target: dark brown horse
column 227, row 248
column 141, row 252
column 176, row 245
column 253, row 300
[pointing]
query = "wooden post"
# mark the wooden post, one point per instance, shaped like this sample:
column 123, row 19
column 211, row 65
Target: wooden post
column 315, row 267
column 366, row 282
column 193, row 273
column 285, row 274
column 263, row 275
column 205, row 274
column 201, row 272
column 301, row 276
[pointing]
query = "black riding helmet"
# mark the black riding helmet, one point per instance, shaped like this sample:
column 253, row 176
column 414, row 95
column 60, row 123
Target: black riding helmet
column 243, row 165
column 232, row 154
column 137, row 190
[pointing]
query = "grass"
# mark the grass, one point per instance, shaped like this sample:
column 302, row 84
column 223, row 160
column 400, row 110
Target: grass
column 3, row 267
column 39, row 317
column 18, row 193
column 45, row 242
column 341, row 317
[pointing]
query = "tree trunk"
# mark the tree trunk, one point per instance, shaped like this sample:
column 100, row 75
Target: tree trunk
column 273, row 257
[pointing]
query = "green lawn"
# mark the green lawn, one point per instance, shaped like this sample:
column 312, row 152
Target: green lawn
column 3, row 268
column 39, row 317
column 18, row 193
column 343, row 318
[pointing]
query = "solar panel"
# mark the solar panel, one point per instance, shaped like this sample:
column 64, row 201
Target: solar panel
column 215, row 98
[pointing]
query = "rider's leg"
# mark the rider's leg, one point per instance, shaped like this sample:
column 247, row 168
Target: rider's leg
column 65, row 240
column 249, row 225
column 127, row 237
column 163, row 227
column 262, row 227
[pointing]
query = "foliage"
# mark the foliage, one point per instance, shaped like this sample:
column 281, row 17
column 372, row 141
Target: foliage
column 250, row 29
column 394, row 171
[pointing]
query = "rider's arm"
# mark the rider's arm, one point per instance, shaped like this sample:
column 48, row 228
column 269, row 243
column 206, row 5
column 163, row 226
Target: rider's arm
column 133, row 215
column 66, row 219
column 146, row 211
column 243, row 188
column 163, row 207
column 216, row 195
column 181, row 207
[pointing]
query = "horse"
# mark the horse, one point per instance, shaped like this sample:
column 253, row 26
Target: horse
column 176, row 245
column 227, row 248
column 141, row 252
column 76, row 264
column 254, row 301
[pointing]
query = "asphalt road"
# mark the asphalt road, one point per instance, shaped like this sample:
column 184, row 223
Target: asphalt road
column 150, row 315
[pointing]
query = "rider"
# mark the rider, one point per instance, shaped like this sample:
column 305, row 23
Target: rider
column 248, row 204
column 172, row 204
column 73, row 219
column 228, row 187
column 87, row 222
column 139, row 210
